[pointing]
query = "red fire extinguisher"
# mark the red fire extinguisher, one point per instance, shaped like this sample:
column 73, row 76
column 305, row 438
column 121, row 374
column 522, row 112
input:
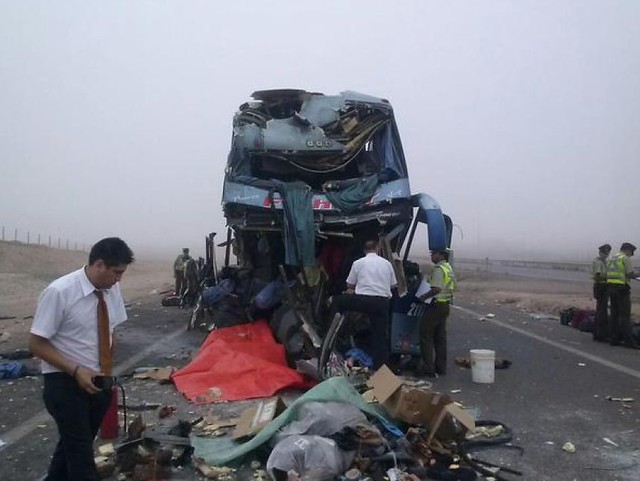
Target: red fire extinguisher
column 109, row 428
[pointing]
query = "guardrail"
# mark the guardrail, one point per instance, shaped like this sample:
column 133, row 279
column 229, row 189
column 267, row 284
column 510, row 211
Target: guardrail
column 560, row 266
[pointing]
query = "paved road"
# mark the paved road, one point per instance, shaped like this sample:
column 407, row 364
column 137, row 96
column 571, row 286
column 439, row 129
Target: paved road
column 554, row 392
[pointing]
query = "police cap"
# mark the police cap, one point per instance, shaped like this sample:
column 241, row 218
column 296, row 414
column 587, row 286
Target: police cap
column 627, row 246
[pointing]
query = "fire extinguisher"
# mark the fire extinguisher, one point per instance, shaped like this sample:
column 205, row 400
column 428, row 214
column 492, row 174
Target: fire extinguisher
column 110, row 428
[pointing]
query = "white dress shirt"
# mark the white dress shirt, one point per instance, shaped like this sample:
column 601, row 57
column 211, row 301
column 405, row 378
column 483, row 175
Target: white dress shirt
column 67, row 315
column 372, row 275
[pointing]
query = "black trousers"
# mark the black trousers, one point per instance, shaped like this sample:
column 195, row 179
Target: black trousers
column 620, row 319
column 601, row 321
column 78, row 416
column 433, row 338
column 376, row 342
column 179, row 275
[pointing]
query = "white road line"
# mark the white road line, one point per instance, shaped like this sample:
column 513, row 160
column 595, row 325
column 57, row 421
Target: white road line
column 42, row 417
column 564, row 347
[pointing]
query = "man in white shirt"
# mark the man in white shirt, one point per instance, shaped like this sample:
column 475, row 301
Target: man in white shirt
column 371, row 278
column 72, row 335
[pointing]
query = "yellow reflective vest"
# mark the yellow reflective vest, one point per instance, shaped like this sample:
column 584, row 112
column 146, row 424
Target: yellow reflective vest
column 448, row 282
column 616, row 270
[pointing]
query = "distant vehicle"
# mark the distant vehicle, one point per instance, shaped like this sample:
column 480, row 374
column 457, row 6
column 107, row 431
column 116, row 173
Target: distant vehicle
column 309, row 178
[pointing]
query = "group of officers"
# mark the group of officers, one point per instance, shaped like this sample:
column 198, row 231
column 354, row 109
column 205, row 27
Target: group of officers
column 612, row 290
column 186, row 272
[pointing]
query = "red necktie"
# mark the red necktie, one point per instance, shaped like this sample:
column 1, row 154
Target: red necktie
column 104, row 337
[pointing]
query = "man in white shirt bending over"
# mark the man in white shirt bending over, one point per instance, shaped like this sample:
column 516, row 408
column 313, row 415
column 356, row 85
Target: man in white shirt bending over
column 372, row 278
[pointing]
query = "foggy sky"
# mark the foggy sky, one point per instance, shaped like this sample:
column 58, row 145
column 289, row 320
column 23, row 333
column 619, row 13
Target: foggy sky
column 521, row 118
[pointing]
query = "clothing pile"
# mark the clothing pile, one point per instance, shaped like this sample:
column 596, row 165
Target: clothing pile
column 331, row 432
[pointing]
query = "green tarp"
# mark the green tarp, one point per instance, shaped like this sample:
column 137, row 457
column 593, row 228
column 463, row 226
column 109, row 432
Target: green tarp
column 220, row 451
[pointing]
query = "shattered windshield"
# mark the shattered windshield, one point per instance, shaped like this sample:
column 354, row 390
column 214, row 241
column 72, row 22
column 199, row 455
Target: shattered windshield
column 292, row 135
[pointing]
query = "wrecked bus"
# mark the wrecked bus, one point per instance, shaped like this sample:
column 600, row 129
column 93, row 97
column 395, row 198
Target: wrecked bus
column 309, row 178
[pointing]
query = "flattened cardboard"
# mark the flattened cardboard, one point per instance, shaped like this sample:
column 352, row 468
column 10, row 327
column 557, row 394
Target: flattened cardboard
column 254, row 419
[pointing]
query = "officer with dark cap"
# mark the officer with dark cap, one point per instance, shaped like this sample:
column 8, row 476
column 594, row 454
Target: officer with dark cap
column 619, row 273
column 599, row 275
column 433, row 325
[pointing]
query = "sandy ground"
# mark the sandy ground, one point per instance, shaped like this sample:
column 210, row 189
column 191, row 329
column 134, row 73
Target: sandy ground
column 532, row 295
column 25, row 270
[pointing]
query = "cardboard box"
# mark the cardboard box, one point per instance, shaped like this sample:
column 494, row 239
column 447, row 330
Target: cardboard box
column 452, row 422
column 419, row 406
column 254, row 419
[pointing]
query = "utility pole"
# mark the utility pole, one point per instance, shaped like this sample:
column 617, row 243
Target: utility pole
column 28, row 237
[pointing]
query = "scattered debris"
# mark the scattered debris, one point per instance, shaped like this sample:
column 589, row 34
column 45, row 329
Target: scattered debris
column 213, row 472
column 17, row 369
column 620, row 399
column 490, row 316
column 569, row 447
column 16, row 355
column 166, row 411
column 486, row 431
column 106, row 449
column 105, row 466
column 607, row 440
column 544, row 317
column 143, row 406
column 466, row 363
column 4, row 336
column 160, row 374
column 455, row 391
column 581, row 364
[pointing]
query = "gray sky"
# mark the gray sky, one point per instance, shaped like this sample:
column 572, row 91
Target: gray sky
column 521, row 118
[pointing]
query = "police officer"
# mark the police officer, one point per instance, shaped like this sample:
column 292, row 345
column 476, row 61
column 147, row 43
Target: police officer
column 599, row 275
column 178, row 270
column 619, row 273
column 433, row 327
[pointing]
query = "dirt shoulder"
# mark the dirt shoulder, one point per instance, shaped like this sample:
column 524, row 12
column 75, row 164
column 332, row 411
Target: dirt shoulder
column 530, row 294
column 25, row 270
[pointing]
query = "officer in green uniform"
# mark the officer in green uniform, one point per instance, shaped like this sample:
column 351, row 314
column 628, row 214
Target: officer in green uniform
column 178, row 270
column 619, row 274
column 433, row 327
column 599, row 275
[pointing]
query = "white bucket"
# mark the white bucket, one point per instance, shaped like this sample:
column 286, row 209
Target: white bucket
column 483, row 365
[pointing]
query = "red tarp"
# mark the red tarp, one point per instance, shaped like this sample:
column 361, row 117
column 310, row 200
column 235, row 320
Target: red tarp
column 235, row 363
